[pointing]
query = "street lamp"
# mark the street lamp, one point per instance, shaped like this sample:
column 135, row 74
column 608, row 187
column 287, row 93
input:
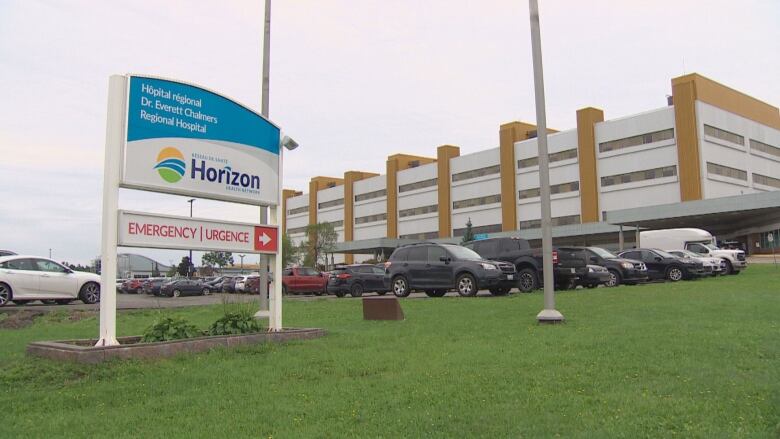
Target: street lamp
column 242, row 263
column 189, row 269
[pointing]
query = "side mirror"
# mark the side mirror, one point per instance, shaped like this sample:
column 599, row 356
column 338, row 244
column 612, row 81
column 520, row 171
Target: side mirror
column 68, row 271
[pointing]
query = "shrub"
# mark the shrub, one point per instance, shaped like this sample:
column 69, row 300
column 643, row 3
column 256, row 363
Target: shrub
column 170, row 328
column 235, row 322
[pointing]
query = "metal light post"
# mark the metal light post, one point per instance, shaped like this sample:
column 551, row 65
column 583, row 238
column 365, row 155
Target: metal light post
column 242, row 263
column 266, row 80
column 189, row 268
column 549, row 314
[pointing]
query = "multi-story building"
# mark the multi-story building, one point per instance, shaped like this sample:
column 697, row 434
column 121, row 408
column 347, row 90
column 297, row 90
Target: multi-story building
column 710, row 142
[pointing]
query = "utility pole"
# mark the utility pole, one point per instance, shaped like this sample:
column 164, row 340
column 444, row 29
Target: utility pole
column 189, row 268
column 549, row 314
column 266, row 81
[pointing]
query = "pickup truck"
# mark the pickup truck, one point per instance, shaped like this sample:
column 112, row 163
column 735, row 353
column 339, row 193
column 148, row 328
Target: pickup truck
column 568, row 265
column 304, row 280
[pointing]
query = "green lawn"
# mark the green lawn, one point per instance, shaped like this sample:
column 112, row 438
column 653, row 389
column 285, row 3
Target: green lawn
column 692, row 359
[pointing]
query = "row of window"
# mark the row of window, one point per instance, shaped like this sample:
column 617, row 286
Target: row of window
column 479, row 201
column 755, row 145
column 492, row 228
column 298, row 210
column 371, row 218
column 417, row 185
column 331, row 203
column 647, row 174
column 474, row 173
column 571, row 186
column 557, row 221
column 420, row 236
column 726, row 171
column 554, row 157
column 723, row 135
column 418, row 211
column 766, row 181
column 371, row 195
column 641, row 139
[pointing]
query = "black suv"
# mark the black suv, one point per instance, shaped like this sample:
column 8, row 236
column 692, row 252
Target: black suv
column 621, row 270
column 437, row 268
column 355, row 279
column 663, row 265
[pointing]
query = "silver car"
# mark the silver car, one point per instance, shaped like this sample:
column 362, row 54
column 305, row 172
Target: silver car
column 27, row 278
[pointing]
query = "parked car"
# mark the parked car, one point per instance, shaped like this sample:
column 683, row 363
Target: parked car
column 297, row 280
column 7, row 253
column 184, row 287
column 152, row 285
column 662, row 265
column 229, row 285
column 696, row 240
column 240, row 284
column 621, row 270
column 132, row 286
column 437, row 268
column 356, row 279
column 528, row 262
column 27, row 278
column 712, row 266
column 252, row 284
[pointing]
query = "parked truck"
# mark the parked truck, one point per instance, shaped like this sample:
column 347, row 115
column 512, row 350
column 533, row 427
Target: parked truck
column 696, row 240
column 568, row 264
column 298, row 280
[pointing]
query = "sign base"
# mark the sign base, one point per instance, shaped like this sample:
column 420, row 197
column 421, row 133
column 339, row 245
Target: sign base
column 549, row 316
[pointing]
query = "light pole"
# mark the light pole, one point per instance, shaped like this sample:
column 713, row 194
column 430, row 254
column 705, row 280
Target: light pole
column 265, row 99
column 549, row 314
column 189, row 269
column 242, row 263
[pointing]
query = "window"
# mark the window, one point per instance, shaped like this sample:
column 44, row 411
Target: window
column 435, row 253
column 554, row 157
column 419, row 253
column 294, row 230
column 725, row 171
column 635, row 255
column 339, row 223
column 755, row 145
column 370, row 195
column 490, row 199
column 642, row 139
column 648, row 174
column 492, row 228
column 571, row 186
column 400, row 255
column 723, row 135
column 331, row 203
column 417, row 185
column 766, row 181
column 371, row 218
column 377, row 270
column 287, row 272
column 21, row 264
column 474, row 173
column 52, row 267
column 557, row 221
column 420, row 236
column 418, row 210
column 298, row 210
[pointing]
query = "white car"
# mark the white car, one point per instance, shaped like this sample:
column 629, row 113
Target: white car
column 240, row 286
column 712, row 265
column 27, row 278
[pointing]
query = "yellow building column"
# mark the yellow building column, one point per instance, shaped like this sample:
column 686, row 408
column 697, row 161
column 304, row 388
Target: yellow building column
column 287, row 193
column 350, row 177
column 508, row 134
column 587, row 118
column 443, row 155
column 395, row 163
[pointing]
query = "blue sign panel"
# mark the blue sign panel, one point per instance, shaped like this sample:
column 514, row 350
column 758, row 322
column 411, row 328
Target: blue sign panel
column 480, row 236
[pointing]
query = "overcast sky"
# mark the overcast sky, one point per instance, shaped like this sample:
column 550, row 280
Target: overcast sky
column 352, row 81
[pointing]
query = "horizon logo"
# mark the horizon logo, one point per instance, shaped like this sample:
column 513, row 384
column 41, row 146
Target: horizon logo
column 224, row 175
column 170, row 164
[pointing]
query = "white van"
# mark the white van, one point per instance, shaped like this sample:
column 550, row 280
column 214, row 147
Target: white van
column 696, row 240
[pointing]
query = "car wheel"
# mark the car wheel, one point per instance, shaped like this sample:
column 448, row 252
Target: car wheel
column 674, row 274
column 729, row 269
column 439, row 293
column 614, row 278
column 430, row 293
column 206, row 291
column 356, row 291
column 22, row 302
column 5, row 294
column 499, row 291
column 63, row 301
column 401, row 287
column 90, row 293
column 176, row 293
column 339, row 294
column 467, row 286
column 527, row 280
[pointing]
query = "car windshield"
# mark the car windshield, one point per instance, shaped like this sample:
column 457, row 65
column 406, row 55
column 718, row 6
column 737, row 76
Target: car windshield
column 665, row 254
column 603, row 253
column 463, row 252
column 710, row 246
column 686, row 253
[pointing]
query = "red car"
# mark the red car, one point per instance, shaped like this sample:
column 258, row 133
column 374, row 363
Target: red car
column 133, row 286
column 304, row 280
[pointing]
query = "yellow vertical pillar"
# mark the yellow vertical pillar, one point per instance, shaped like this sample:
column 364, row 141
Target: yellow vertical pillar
column 587, row 118
column 443, row 155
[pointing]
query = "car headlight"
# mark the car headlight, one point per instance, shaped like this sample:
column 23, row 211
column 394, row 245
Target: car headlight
column 627, row 265
column 591, row 270
column 488, row 266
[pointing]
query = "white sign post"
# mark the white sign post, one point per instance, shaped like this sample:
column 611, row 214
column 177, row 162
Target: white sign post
column 177, row 138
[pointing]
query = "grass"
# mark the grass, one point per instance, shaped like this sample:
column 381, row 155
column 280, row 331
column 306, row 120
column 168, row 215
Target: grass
column 692, row 359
